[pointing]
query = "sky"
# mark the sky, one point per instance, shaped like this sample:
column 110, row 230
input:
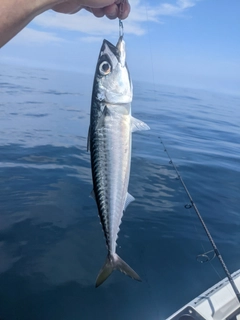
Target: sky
column 184, row 43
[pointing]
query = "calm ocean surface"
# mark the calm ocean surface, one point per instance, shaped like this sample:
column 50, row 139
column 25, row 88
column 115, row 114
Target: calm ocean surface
column 51, row 242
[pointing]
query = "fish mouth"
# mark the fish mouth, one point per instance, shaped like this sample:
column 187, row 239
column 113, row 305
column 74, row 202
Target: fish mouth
column 118, row 51
column 111, row 46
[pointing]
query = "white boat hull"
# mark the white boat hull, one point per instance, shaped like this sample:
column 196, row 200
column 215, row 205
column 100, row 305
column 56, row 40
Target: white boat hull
column 217, row 303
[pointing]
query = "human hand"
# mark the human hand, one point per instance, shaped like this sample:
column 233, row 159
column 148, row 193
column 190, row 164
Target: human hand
column 12, row 20
column 111, row 8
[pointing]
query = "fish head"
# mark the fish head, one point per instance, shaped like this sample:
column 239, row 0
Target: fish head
column 112, row 79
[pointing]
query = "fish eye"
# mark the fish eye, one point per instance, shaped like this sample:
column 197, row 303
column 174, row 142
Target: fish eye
column 105, row 68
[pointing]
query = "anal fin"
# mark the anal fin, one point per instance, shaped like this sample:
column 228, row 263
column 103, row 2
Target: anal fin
column 129, row 199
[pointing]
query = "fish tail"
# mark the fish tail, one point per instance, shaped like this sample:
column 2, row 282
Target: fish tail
column 113, row 262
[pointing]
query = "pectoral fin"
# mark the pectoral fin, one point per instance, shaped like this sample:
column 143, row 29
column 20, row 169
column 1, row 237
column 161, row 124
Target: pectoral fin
column 138, row 125
column 106, row 112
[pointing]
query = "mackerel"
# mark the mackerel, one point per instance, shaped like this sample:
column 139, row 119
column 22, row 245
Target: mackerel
column 109, row 141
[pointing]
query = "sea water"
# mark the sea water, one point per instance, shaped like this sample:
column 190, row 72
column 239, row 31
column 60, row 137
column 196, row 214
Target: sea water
column 51, row 242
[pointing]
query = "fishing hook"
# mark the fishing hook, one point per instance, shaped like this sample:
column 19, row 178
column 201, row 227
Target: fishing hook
column 121, row 30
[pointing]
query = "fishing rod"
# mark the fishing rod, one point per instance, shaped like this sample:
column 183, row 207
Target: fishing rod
column 215, row 249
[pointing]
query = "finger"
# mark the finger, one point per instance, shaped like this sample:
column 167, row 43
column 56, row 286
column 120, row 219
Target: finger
column 124, row 10
column 98, row 12
column 111, row 11
column 73, row 6
column 67, row 7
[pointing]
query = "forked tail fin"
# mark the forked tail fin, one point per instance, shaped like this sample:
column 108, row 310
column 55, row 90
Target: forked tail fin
column 114, row 262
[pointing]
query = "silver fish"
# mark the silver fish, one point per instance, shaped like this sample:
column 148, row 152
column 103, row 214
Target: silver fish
column 109, row 141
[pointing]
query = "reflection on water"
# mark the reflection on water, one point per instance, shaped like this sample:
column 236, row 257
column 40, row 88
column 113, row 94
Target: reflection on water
column 51, row 242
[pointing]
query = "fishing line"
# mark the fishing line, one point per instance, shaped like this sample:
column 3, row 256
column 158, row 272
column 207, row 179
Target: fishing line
column 193, row 205
column 154, row 90
column 215, row 250
column 121, row 29
column 150, row 48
